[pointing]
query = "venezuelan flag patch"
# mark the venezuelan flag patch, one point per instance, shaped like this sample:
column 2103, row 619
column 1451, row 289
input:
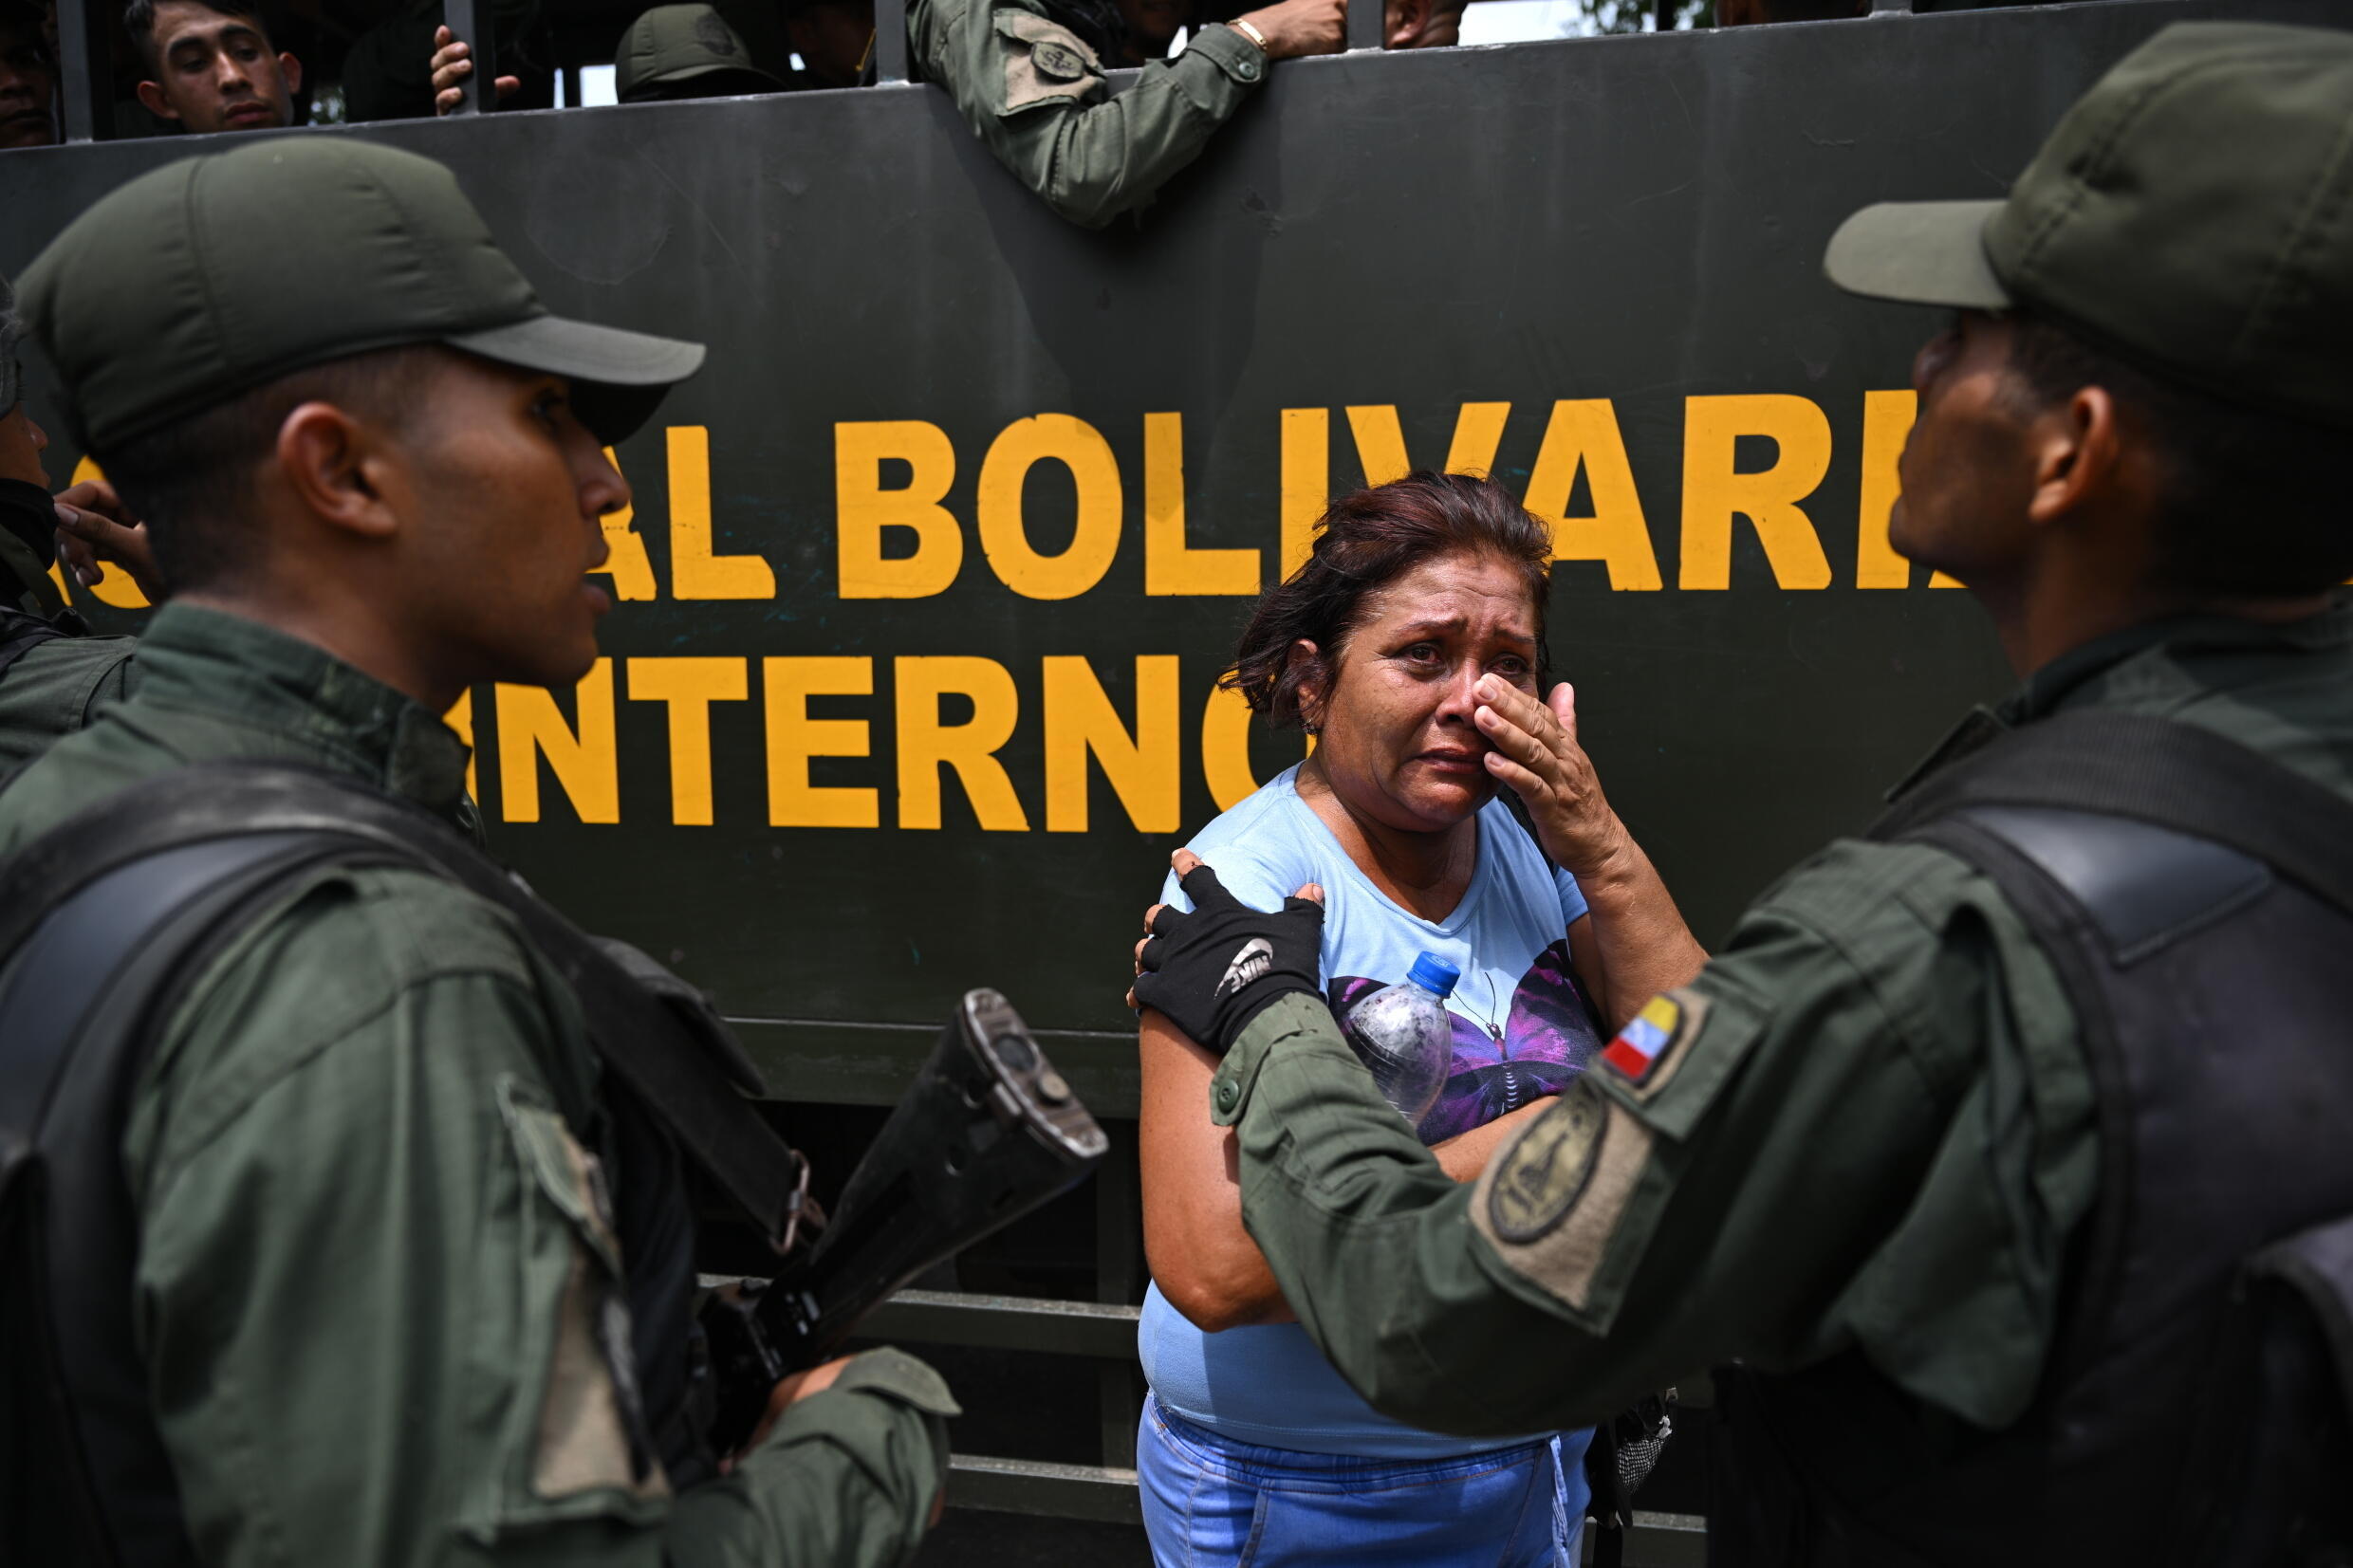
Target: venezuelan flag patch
column 1636, row 1051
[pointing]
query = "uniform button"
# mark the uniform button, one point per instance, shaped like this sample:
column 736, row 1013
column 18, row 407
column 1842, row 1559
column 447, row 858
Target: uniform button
column 1227, row 1094
column 1249, row 69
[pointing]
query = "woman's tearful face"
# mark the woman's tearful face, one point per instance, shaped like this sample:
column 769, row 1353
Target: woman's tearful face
column 1394, row 735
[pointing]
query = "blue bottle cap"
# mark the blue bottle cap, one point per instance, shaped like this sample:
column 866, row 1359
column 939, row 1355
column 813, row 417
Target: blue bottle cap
column 1433, row 973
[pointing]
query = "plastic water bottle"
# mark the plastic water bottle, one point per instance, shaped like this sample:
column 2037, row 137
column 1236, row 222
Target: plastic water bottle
column 1402, row 1034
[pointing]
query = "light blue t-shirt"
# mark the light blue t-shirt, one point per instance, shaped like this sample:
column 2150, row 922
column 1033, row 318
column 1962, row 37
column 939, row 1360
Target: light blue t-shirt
column 1521, row 1030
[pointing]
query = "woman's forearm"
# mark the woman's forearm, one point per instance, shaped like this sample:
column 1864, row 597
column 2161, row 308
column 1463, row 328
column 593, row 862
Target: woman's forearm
column 1464, row 1156
column 1636, row 942
column 1200, row 1256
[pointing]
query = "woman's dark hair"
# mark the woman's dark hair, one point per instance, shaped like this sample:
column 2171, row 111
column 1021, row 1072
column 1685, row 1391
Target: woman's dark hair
column 1364, row 543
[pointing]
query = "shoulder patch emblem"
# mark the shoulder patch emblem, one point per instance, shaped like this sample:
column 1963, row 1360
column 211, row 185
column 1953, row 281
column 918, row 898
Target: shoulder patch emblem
column 1545, row 1170
column 1058, row 63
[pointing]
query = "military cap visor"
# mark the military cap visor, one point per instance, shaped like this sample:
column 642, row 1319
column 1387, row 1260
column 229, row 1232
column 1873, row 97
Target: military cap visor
column 2192, row 212
column 618, row 376
column 214, row 275
column 742, row 81
column 1922, row 253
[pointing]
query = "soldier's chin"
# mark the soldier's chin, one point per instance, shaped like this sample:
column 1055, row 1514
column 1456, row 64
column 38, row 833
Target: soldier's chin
column 558, row 663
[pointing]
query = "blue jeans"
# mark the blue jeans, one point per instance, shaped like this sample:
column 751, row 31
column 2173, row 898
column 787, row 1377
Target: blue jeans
column 1213, row 1502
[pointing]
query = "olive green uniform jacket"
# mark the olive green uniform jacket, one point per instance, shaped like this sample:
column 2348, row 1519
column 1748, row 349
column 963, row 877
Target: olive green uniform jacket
column 53, row 687
column 371, row 1231
column 1870, row 1128
column 1035, row 95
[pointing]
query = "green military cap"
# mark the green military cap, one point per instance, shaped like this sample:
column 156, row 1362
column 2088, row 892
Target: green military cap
column 678, row 52
column 214, row 275
column 2193, row 213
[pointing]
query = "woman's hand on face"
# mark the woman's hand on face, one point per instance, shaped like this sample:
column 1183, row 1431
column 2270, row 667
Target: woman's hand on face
column 1537, row 756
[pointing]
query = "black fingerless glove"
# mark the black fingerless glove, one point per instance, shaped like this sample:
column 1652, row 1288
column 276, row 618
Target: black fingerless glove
column 1215, row 969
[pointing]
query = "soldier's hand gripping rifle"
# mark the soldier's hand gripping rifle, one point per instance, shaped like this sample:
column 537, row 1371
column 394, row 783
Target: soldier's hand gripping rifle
column 988, row 1131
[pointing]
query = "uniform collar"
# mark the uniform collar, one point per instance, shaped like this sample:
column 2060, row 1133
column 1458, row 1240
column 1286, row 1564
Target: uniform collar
column 335, row 715
column 2072, row 679
column 2078, row 677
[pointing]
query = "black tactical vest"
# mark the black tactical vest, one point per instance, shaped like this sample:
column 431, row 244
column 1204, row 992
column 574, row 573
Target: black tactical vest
column 102, row 925
column 2197, row 903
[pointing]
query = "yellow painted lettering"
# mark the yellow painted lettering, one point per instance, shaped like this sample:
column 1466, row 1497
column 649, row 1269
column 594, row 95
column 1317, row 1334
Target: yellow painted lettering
column 460, row 719
column 1714, row 490
column 862, row 509
column 926, row 745
column 1004, row 536
column 1171, row 565
column 1306, row 481
column 114, row 585
column 631, row 571
column 587, row 765
column 689, row 687
column 1379, row 442
column 1225, row 747
column 794, row 738
column 1080, row 721
column 696, row 572
column 1583, row 433
column 1478, row 434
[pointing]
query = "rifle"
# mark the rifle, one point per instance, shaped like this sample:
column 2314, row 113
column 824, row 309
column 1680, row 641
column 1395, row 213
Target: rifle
column 988, row 1131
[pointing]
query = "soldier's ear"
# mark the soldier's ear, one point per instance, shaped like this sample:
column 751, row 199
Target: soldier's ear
column 339, row 469
column 2078, row 455
column 151, row 95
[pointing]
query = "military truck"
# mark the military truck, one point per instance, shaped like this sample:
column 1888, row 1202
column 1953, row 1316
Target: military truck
column 910, row 684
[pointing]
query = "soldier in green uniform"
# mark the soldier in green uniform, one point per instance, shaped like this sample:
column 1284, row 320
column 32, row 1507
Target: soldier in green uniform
column 668, row 52
column 1900, row 1154
column 1027, row 75
column 1031, row 87
column 54, row 677
column 412, row 1283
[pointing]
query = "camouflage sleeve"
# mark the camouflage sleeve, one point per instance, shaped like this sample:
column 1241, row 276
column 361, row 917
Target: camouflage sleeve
column 1867, row 1124
column 847, row 1477
column 381, row 1294
column 1035, row 95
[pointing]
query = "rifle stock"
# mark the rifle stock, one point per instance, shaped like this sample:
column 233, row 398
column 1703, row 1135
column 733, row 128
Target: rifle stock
column 988, row 1131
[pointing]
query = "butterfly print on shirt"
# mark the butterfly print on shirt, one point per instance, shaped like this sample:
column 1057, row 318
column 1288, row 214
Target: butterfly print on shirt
column 1547, row 1039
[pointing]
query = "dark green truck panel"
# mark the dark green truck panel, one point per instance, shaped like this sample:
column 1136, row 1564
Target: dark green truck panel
column 1618, row 238
column 931, row 573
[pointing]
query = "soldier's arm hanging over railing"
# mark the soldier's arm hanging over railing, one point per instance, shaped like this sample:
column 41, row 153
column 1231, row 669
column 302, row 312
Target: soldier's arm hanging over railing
column 1028, row 78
